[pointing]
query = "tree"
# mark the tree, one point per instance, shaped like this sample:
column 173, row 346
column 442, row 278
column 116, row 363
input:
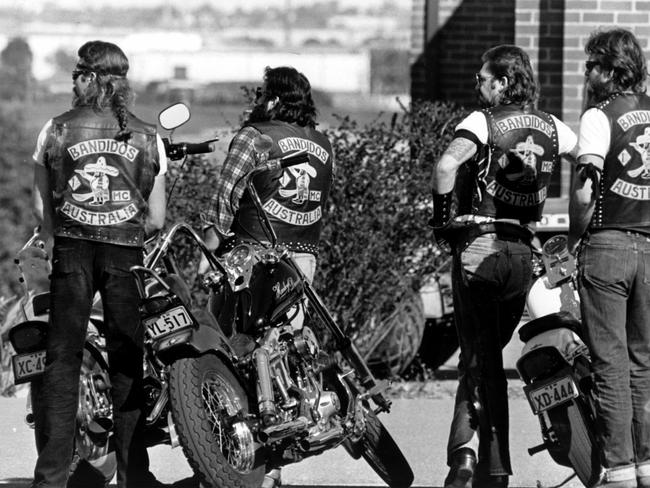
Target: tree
column 64, row 60
column 16, row 78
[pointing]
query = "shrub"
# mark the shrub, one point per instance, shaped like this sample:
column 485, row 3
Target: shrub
column 376, row 245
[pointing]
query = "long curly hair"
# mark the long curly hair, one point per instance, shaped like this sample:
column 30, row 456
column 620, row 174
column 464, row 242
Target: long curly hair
column 110, row 88
column 513, row 63
column 295, row 102
column 618, row 50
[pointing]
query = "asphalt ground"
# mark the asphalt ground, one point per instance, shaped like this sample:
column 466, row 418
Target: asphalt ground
column 419, row 422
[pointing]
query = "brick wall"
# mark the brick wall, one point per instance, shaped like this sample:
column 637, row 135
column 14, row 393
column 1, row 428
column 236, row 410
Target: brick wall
column 583, row 17
column 449, row 52
column 450, row 35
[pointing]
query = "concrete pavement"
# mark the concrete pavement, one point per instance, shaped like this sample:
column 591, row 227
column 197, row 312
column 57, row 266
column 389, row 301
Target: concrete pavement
column 419, row 425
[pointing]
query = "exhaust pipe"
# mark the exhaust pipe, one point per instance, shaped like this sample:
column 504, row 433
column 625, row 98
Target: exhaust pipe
column 322, row 439
column 265, row 401
column 288, row 429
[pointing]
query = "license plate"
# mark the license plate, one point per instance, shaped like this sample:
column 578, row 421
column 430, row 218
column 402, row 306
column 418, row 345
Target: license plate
column 552, row 394
column 169, row 321
column 28, row 366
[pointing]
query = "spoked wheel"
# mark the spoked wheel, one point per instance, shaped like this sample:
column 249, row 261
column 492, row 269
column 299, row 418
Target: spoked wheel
column 381, row 452
column 208, row 404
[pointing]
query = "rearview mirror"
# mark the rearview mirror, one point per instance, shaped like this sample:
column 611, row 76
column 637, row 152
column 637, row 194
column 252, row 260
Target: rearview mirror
column 174, row 116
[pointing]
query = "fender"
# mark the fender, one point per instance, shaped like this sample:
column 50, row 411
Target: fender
column 208, row 337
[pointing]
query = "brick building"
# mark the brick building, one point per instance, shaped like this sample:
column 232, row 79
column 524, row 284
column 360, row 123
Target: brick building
column 449, row 36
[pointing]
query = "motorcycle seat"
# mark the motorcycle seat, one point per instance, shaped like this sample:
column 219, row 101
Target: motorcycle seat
column 549, row 322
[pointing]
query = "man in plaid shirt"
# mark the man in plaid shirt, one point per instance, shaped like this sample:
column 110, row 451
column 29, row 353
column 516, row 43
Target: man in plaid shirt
column 293, row 198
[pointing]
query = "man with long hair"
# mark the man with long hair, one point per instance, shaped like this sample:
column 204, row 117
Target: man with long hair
column 294, row 198
column 609, row 229
column 99, row 182
column 489, row 188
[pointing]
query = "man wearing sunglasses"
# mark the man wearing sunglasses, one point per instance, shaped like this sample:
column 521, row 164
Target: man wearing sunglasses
column 99, row 182
column 489, row 189
column 609, row 216
column 294, row 198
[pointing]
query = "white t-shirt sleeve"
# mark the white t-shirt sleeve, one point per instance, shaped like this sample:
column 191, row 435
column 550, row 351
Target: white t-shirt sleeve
column 595, row 133
column 566, row 138
column 39, row 151
column 476, row 123
column 162, row 155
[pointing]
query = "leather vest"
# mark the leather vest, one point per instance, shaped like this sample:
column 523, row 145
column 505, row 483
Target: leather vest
column 624, row 197
column 100, row 185
column 294, row 198
column 509, row 177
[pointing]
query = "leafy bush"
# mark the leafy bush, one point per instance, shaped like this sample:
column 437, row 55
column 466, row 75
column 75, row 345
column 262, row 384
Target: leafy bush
column 376, row 246
column 16, row 176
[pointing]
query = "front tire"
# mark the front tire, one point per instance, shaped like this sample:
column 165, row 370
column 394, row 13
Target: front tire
column 205, row 397
column 382, row 454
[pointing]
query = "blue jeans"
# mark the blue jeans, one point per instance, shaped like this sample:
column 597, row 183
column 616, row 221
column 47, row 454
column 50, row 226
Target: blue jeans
column 614, row 287
column 490, row 280
column 80, row 268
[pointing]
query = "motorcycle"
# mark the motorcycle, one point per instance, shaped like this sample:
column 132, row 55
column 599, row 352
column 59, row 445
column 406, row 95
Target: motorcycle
column 555, row 365
column 93, row 447
column 262, row 393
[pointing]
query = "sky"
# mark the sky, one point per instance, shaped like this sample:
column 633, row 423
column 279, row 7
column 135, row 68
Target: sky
column 222, row 4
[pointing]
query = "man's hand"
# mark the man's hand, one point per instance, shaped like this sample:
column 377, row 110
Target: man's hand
column 212, row 241
column 572, row 244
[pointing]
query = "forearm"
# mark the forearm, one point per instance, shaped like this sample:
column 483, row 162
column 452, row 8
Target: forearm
column 444, row 171
column 581, row 209
column 43, row 207
column 231, row 184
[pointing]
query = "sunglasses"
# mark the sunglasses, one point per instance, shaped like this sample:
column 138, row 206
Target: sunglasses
column 589, row 65
column 78, row 72
column 480, row 78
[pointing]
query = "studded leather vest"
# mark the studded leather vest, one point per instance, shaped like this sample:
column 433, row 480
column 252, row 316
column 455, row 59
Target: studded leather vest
column 509, row 177
column 624, row 193
column 101, row 185
column 294, row 197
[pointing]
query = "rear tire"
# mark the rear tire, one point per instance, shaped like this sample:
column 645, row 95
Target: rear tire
column 382, row 454
column 576, row 443
column 204, row 397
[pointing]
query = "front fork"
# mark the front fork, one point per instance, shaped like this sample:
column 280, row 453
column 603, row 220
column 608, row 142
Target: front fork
column 373, row 388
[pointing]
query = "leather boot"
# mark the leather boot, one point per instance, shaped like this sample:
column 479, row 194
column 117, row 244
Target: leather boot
column 491, row 481
column 461, row 471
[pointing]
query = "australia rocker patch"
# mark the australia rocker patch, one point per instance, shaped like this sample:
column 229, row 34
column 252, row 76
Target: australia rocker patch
column 514, row 198
column 87, row 217
column 280, row 212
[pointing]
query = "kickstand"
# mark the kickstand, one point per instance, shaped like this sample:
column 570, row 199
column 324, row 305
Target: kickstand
column 571, row 476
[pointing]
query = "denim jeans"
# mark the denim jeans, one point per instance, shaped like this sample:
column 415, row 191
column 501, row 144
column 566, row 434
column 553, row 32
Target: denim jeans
column 80, row 268
column 490, row 280
column 614, row 287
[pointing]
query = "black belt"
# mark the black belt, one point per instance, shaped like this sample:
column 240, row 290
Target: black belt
column 504, row 231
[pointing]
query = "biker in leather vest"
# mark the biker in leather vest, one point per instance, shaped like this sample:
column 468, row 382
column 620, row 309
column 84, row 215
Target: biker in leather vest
column 293, row 197
column 624, row 196
column 101, row 185
column 514, row 169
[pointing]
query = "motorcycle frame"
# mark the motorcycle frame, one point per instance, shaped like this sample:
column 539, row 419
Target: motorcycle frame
column 368, row 381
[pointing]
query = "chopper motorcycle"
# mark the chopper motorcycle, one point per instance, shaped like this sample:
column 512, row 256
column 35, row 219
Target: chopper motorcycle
column 269, row 395
column 555, row 365
column 93, row 451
